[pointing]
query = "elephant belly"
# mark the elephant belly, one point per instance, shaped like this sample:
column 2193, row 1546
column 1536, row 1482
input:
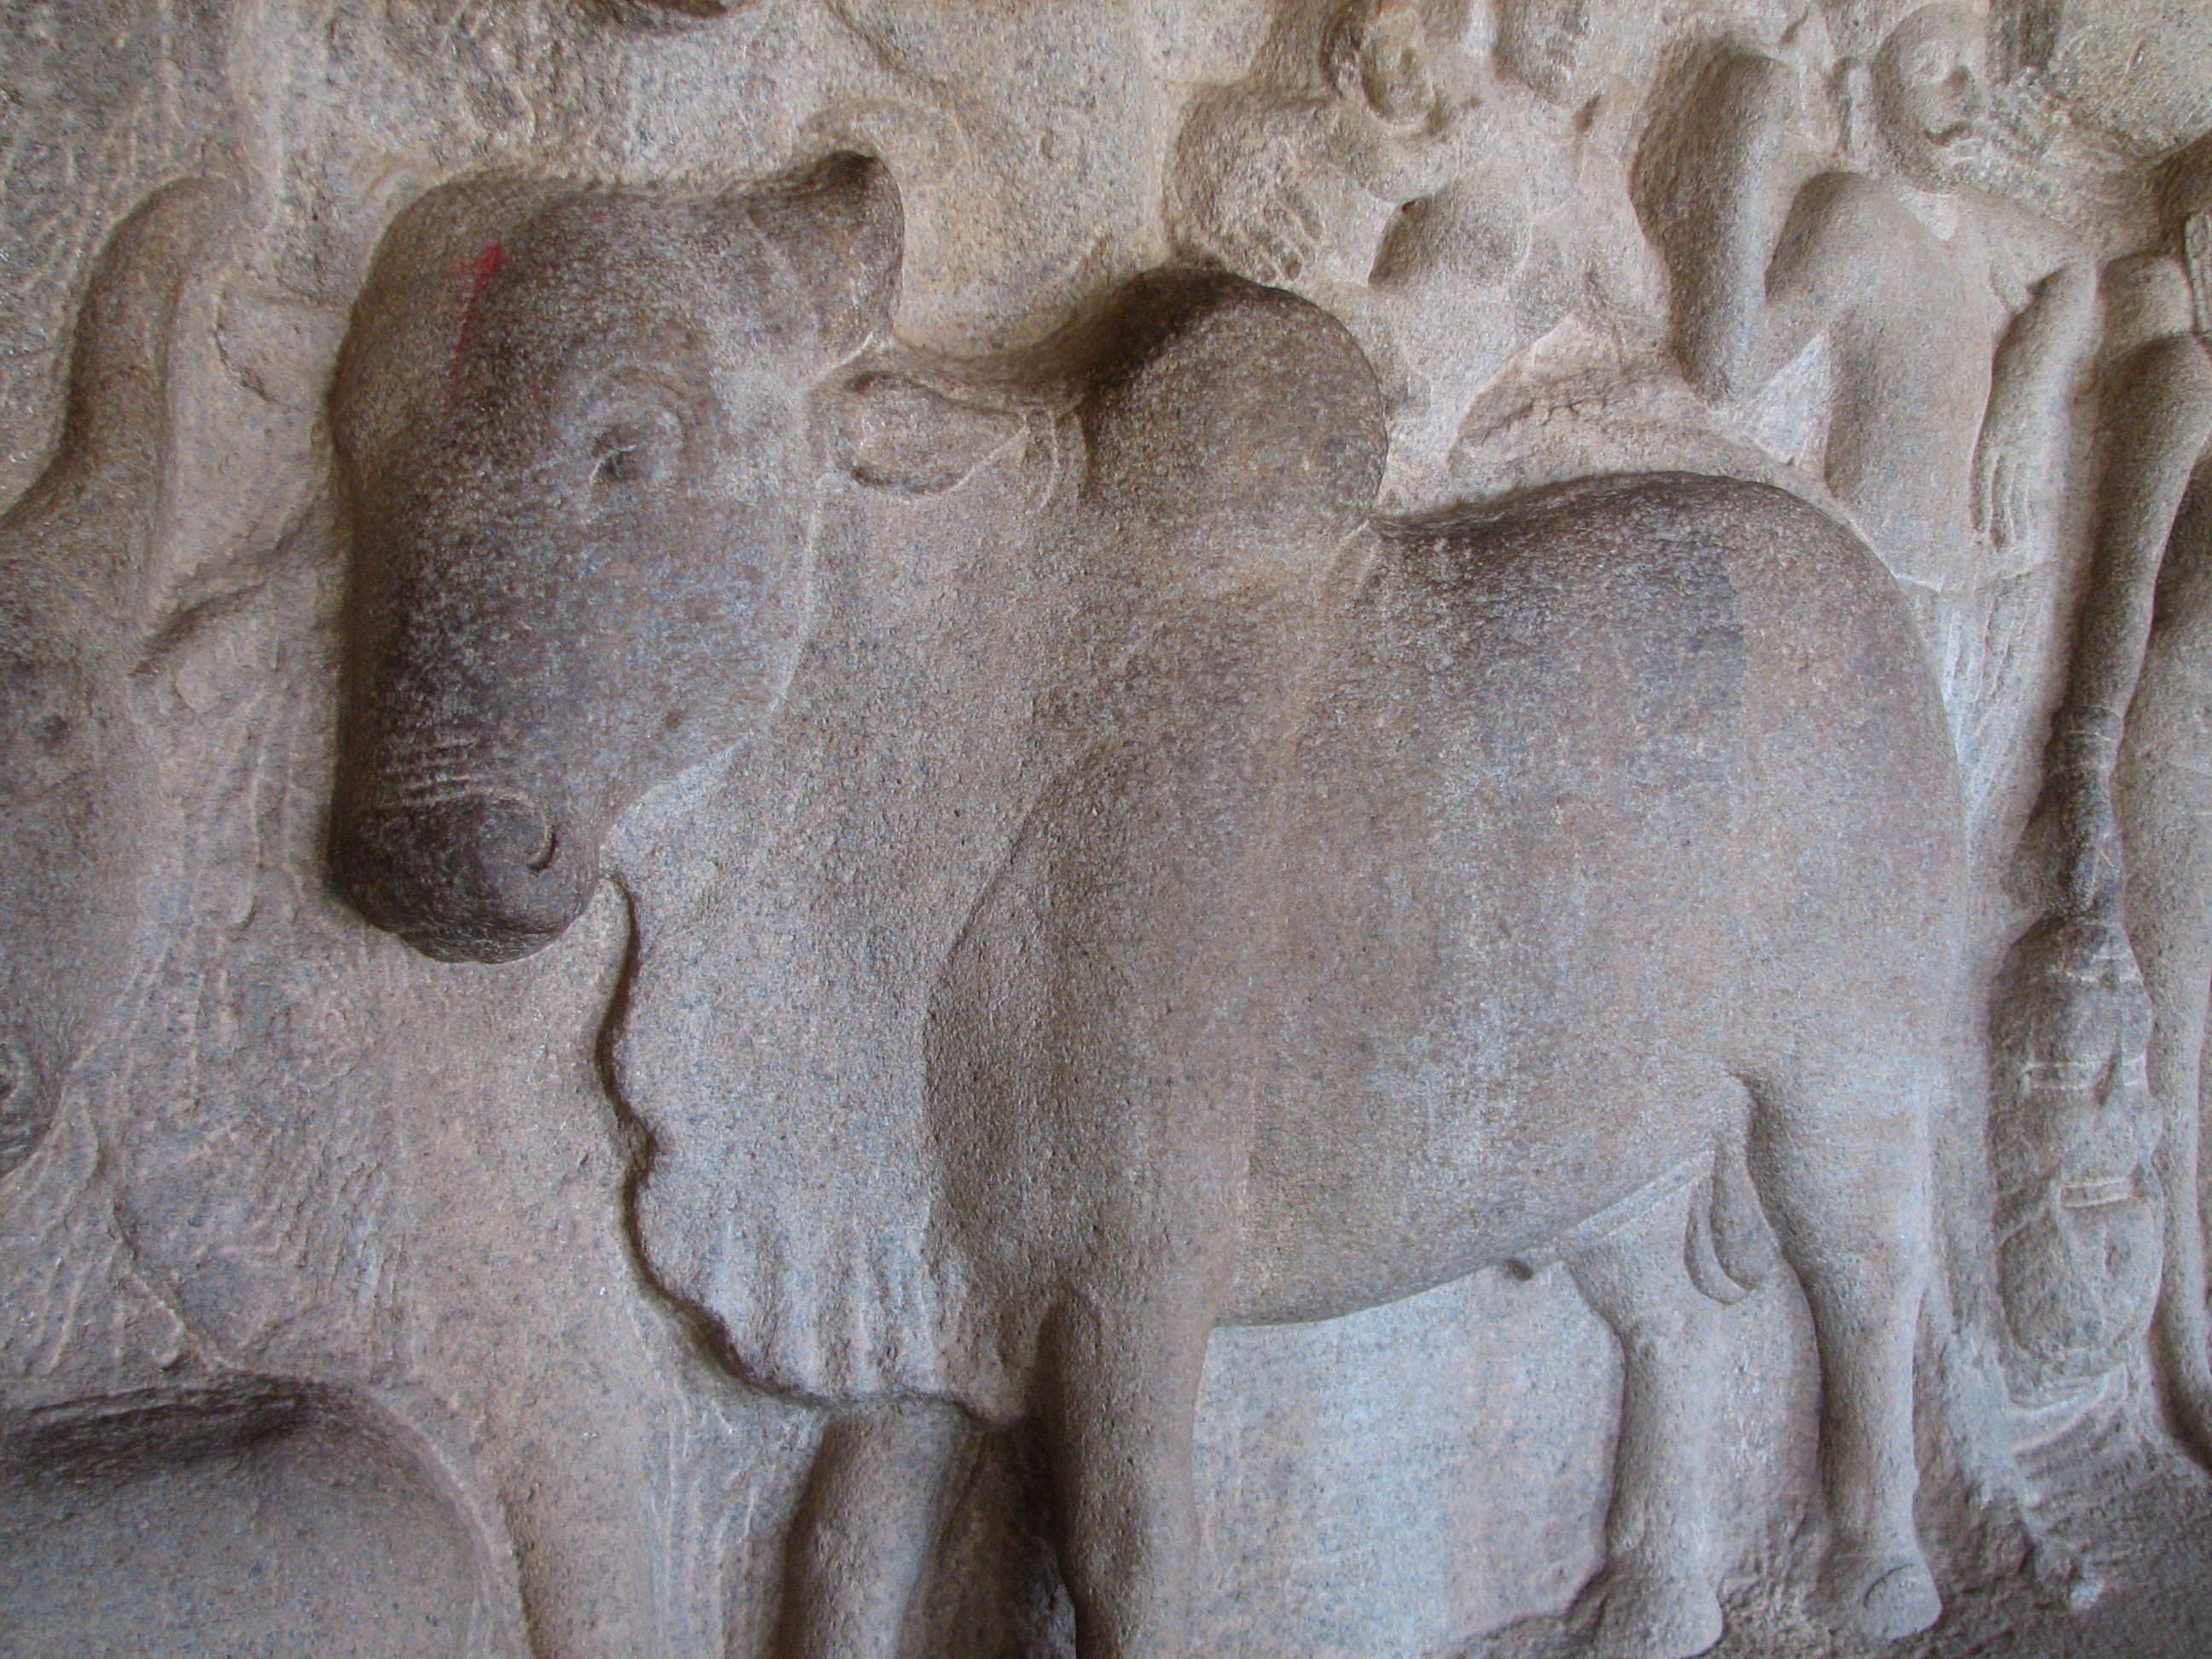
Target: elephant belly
column 1426, row 1108
column 1508, row 904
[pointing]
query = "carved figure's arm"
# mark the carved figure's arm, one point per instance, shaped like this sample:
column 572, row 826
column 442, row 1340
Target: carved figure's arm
column 1705, row 204
column 2028, row 394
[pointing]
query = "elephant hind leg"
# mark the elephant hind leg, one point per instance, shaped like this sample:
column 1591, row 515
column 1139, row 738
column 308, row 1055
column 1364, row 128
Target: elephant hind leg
column 1840, row 1154
column 1655, row 1597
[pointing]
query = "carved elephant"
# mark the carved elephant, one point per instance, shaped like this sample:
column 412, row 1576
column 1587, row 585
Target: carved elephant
column 1579, row 841
column 226, row 1220
column 83, row 602
column 1392, row 905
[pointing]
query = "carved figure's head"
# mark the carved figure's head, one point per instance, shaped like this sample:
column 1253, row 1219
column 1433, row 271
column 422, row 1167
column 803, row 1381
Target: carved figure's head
column 1379, row 51
column 1928, row 81
column 582, row 433
column 1546, row 44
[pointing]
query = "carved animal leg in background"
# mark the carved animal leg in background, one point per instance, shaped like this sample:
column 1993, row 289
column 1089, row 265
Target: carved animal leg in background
column 865, row 1531
column 1839, row 1147
column 1656, row 1593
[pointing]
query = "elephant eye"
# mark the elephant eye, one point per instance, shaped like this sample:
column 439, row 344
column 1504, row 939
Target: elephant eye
column 620, row 462
column 46, row 726
column 635, row 448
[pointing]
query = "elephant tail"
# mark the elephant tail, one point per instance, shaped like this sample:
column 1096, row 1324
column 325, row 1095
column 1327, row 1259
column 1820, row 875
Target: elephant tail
column 1731, row 1248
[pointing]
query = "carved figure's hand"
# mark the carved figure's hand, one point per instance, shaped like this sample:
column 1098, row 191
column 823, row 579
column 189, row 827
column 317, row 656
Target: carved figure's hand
column 2094, row 866
column 1275, row 238
column 2006, row 508
column 1240, row 196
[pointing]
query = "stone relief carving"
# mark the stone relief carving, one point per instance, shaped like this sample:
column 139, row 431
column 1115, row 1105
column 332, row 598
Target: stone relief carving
column 1452, row 203
column 852, row 829
column 499, row 476
column 1395, row 1013
column 2115, row 1128
column 1946, row 435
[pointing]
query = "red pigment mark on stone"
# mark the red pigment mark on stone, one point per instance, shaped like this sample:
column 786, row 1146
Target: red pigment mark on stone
column 481, row 273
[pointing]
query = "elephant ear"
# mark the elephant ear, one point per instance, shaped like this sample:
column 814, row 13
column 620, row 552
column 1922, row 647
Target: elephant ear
column 838, row 231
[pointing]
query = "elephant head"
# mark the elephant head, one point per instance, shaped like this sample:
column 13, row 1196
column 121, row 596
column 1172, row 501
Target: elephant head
column 584, row 433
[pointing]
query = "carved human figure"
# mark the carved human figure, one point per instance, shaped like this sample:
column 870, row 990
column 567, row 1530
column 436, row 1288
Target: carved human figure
column 1193, row 1055
column 2119, row 831
column 1956, row 322
column 1451, row 199
column 1297, row 170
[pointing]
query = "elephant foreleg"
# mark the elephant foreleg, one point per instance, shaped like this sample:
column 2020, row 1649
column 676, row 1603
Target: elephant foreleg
column 865, row 1529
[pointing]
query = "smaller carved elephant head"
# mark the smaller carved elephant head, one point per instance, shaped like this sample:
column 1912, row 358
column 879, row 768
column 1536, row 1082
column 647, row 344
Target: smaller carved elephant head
column 128, row 576
column 584, row 433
